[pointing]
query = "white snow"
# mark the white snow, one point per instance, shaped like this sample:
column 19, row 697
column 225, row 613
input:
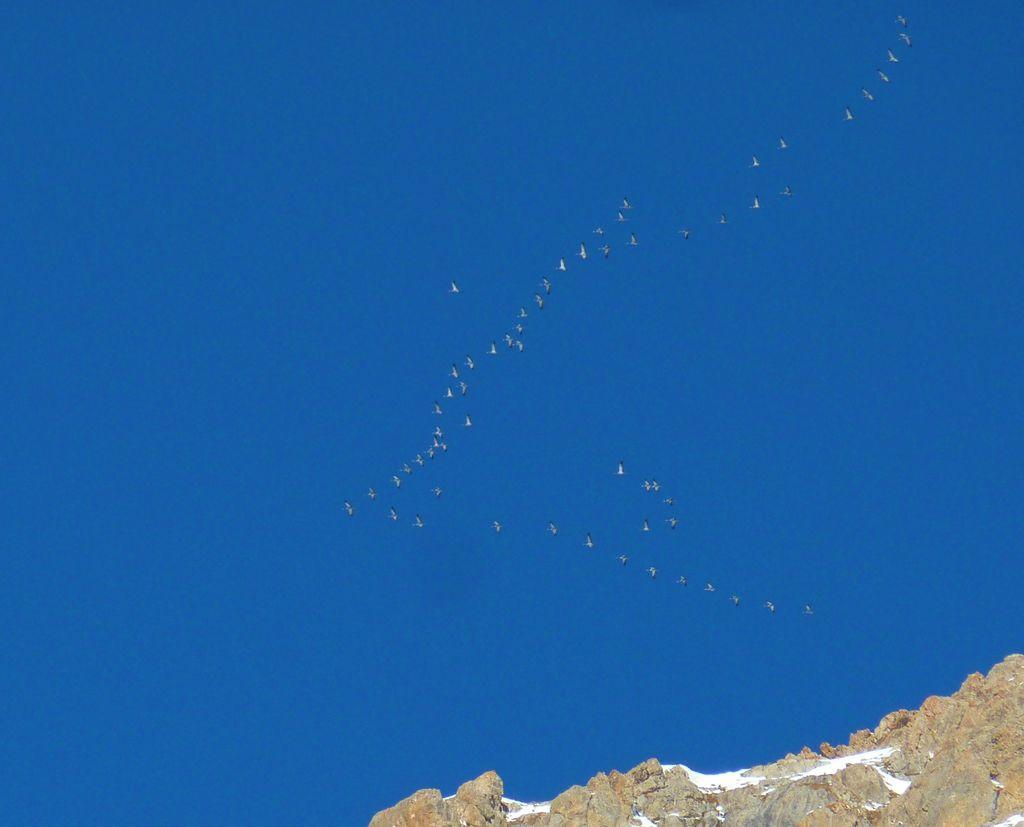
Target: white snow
column 1011, row 821
column 722, row 781
column 872, row 758
column 831, row 766
column 644, row 821
column 717, row 782
column 897, row 786
column 518, row 809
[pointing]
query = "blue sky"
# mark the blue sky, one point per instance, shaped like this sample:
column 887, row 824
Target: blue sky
column 229, row 236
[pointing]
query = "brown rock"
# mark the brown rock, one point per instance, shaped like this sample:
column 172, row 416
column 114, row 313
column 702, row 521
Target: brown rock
column 478, row 802
column 860, row 741
column 422, row 809
column 963, row 757
column 595, row 805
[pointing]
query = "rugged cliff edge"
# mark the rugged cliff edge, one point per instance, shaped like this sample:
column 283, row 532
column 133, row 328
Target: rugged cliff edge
column 955, row 762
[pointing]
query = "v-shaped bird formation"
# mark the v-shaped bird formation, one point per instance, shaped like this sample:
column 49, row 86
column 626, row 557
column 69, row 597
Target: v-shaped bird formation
column 512, row 340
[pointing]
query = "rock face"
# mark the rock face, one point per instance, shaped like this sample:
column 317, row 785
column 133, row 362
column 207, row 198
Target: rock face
column 955, row 762
column 478, row 803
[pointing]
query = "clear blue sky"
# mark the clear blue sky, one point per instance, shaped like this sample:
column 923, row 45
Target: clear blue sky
column 228, row 236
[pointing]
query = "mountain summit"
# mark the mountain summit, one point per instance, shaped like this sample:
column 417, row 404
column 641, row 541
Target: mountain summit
column 955, row 762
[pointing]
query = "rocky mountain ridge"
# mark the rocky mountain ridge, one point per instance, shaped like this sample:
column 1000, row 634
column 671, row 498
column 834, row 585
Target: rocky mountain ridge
column 956, row 761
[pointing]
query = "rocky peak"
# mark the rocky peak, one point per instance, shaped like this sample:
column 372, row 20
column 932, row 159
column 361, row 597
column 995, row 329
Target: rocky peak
column 956, row 761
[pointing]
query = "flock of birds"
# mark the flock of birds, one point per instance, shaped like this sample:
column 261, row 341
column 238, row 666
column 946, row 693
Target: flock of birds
column 513, row 340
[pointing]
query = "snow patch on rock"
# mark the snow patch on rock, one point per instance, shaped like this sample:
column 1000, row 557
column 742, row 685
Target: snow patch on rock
column 518, row 809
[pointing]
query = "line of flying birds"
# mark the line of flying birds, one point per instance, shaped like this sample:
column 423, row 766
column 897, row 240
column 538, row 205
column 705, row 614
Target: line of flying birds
column 512, row 340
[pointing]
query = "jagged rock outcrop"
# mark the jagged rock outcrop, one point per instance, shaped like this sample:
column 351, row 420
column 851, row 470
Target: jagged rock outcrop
column 478, row 803
column 955, row 762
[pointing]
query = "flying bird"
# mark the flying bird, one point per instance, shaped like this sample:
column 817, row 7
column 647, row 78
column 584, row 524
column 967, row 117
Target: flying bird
column 522, row 315
column 901, row 20
column 397, row 481
column 469, row 422
column 539, row 299
column 681, row 581
column 646, row 526
column 349, row 508
column 561, row 264
column 454, row 372
column 867, row 94
column 788, row 192
column 847, row 114
column 623, row 558
column 454, row 288
column 497, row 527
column 621, row 470
column 407, row 468
column 392, row 514
column 883, row 76
column 672, row 522
column 546, row 284
column 756, row 205
column 620, row 217
column 669, row 501
column 437, row 408
column 632, row 240
column 626, row 205
column 553, row 529
column 583, row 251
column 724, row 219
column 653, row 572
column 735, row 600
column 904, row 37
column 599, row 231
column 437, row 490
column 709, row 586
column 419, row 460
column 755, row 162
column 448, row 394
column 892, row 57
column 418, row 522
column 469, row 362
column 782, row 143
column 372, row 494
column 685, row 233
column 589, row 542
column 808, row 609
column 463, row 388
column 769, row 606
column 494, row 350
